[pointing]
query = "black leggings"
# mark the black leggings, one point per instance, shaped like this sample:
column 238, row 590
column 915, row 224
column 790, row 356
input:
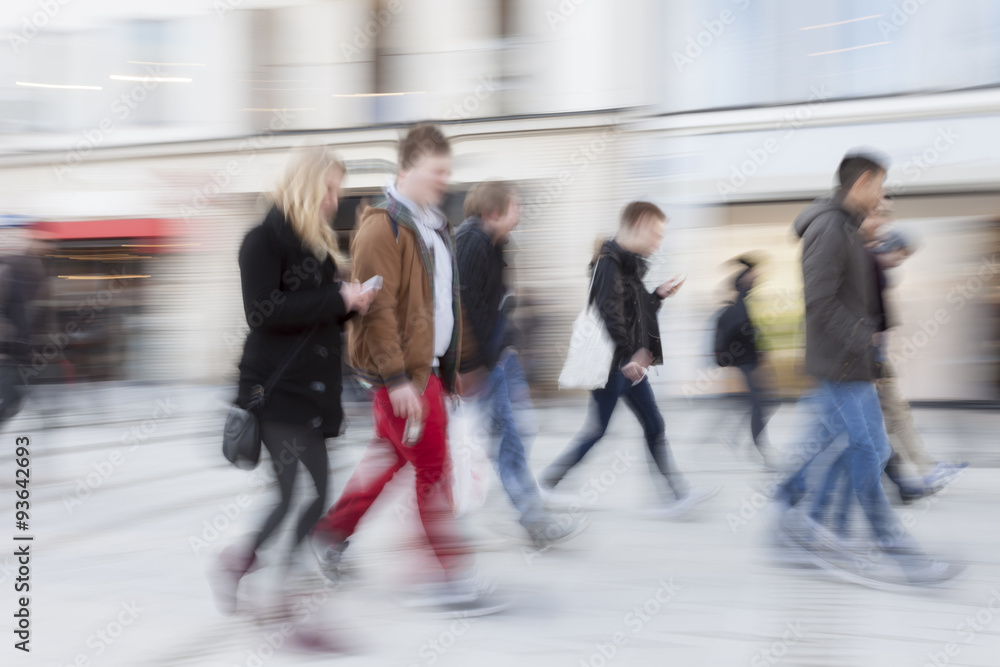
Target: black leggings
column 288, row 444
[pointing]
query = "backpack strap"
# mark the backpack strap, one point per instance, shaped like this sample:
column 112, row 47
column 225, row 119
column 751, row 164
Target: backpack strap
column 392, row 219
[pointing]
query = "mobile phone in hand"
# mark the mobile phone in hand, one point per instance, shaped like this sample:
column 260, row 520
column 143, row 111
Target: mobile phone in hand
column 412, row 431
column 373, row 283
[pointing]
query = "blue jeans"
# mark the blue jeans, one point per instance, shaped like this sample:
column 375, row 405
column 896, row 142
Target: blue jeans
column 854, row 408
column 640, row 400
column 507, row 402
column 817, row 439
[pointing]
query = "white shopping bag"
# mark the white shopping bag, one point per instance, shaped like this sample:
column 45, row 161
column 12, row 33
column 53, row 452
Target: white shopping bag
column 471, row 472
column 591, row 350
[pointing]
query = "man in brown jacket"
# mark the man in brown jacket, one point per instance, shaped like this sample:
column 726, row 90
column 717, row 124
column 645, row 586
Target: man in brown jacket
column 407, row 346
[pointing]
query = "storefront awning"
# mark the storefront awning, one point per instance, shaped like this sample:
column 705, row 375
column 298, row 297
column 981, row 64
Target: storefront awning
column 135, row 228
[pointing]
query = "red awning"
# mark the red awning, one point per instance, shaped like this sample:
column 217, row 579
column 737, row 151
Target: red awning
column 140, row 228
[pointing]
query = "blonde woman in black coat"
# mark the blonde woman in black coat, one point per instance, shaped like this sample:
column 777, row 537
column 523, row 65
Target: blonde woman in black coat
column 290, row 266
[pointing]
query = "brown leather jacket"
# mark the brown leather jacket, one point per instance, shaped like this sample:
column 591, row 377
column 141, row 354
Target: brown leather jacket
column 394, row 342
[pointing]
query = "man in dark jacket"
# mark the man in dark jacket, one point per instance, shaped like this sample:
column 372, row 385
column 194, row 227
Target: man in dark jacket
column 492, row 372
column 843, row 319
column 629, row 313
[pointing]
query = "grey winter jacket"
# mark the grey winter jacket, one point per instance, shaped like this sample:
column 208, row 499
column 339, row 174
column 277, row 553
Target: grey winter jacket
column 841, row 313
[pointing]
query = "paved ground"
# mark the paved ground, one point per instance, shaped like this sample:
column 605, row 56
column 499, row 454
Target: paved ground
column 128, row 482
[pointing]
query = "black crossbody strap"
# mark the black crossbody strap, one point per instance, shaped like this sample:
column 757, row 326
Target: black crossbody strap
column 280, row 370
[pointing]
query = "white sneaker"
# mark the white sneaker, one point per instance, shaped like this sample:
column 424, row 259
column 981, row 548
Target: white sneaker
column 681, row 507
column 555, row 530
column 471, row 594
column 560, row 500
column 943, row 474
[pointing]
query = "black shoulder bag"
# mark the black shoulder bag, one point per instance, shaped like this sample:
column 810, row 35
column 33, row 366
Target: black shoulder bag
column 241, row 435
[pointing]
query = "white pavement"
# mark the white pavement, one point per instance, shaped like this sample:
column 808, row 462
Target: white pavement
column 127, row 483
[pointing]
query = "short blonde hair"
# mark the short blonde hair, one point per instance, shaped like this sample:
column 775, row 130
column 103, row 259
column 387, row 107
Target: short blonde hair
column 299, row 195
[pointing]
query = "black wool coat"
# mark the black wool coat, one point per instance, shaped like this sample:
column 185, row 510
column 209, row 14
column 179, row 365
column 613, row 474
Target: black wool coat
column 286, row 291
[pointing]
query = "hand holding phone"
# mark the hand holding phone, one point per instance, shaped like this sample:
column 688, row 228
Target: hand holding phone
column 670, row 287
column 373, row 283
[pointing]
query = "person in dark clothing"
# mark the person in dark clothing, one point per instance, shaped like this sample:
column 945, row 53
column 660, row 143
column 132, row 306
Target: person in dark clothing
column 22, row 283
column 736, row 345
column 491, row 368
column 888, row 251
column 290, row 267
column 842, row 332
column 629, row 312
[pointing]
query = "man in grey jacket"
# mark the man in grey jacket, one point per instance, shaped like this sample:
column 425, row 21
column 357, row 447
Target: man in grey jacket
column 842, row 320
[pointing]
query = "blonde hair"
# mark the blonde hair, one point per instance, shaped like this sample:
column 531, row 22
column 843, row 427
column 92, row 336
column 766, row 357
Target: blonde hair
column 299, row 194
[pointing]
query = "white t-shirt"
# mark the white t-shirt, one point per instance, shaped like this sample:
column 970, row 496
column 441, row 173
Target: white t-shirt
column 429, row 221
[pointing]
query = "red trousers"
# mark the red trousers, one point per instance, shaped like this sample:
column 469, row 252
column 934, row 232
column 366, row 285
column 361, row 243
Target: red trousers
column 385, row 455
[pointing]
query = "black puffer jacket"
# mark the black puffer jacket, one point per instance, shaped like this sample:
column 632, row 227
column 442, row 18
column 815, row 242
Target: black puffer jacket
column 285, row 292
column 839, row 286
column 629, row 310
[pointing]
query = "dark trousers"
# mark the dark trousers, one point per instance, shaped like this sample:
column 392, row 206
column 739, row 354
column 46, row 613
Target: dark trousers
column 758, row 400
column 288, row 444
column 640, row 400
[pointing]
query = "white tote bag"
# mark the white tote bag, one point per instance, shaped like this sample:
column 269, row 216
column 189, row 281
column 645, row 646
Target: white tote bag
column 591, row 350
column 471, row 471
